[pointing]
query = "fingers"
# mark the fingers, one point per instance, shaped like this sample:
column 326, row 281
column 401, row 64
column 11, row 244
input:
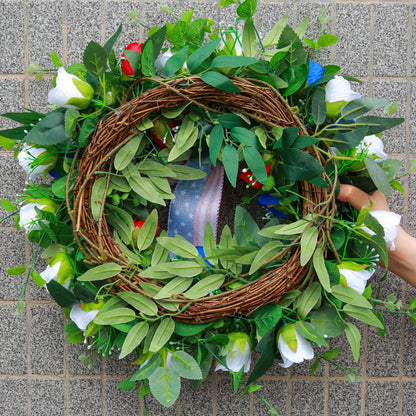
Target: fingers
column 358, row 198
column 354, row 196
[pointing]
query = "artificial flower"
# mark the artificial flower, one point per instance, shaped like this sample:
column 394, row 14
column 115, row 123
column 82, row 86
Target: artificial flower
column 232, row 44
column 59, row 268
column 238, row 353
column 270, row 202
column 338, row 92
column 372, row 145
column 161, row 61
column 247, row 176
column 354, row 275
column 390, row 222
column 36, row 160
column 125, row 64
column 293, row 347
column 83, row 314
column 70, row 91
column 29, row 218
column 316, row 71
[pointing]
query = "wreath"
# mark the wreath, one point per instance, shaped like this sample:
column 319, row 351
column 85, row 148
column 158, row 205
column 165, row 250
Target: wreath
column 188, row 212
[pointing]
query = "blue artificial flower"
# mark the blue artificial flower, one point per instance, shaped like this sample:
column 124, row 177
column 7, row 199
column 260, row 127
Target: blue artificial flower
column 269, row 202
column 315, row 72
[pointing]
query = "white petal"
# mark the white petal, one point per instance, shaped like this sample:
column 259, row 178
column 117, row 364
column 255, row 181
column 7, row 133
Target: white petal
column 28, row 215
column 51, row 272
column 339, row 89
column 65, row 89
column 161, row 61
column 304, row 351
column 373, row 146
column 390, row 222
column 236, row 360
column 82, row 318
column 357, row 279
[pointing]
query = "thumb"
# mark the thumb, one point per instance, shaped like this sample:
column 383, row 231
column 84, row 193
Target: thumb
column 353, row 196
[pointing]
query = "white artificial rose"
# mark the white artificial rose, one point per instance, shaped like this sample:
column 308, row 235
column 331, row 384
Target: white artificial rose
column 234, row 46
column 238, row 353
column 356, row 279
column 339, row 89
column 82, row 318
column 28, row 217
column 372, row 145
column 299, row 350
column 70, row 91
column 27, row 158
column 390, row 222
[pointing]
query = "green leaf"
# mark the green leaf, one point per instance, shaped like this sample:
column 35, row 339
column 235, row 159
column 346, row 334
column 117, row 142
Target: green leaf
column 308, row 331
column 88, row 127
column 361, row 106
column 146, row 370
column 148, row 59
column 256, row 164
column 220, row 81
column 201, row 54
column 318, row 106
column 126, row 153
column 110, row 42
column 50, row 130
column 181, row 268
column 209, row 244
column 318, row 261
column 244, row 136
column 299, row 165
column 174, row 287
column 363, row 314
column 126, row 385
column 185, row 365
column 196, row 31
column 179, row 34
column 98, row 194
column 143, row 187
column 326, row 322
column 303, row 26
column 350, row 296
column 114, row 316
column 354, row 338
column 224, row 3
column 204, row 286
column 378, row 176
column 295, row 76
column 267, row 348
column 7, row 205
column 249, row 41
column 95, row 59
column 165, row 386
column 176, row 61
column 162, row 334
column 308, row 244
column 246, row 9
column 101, row 272
column 6, row 143
column 331, row 354
column 272, row 37
column 266, row 318
column 179, row 245
column 308, row 299
column 134, row 338
column 327, row 40
column 187, row 330
column 148, row 231
column 71, row 117
column 379, row 124
column 350, row 139
column 139, row 302
column 15, row 271
column 230, row 162
column 233, row 61
column 63, row 297
column 37, row 278
column 186, row 173
column 266, row 253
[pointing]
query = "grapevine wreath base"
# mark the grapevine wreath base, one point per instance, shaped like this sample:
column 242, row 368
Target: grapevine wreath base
column 261, row 103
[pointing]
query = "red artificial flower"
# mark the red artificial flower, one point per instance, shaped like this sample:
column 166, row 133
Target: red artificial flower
column 125, row 64
column 247, row 176
column 159, row 141
column 139, row 224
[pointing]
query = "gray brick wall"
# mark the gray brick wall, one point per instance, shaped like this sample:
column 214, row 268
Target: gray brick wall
column 40, row 373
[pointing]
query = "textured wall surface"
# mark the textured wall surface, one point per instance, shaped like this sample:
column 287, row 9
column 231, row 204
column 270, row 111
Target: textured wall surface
column 40, row 373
